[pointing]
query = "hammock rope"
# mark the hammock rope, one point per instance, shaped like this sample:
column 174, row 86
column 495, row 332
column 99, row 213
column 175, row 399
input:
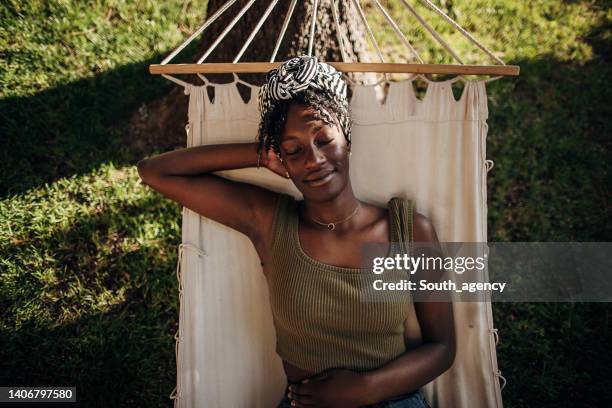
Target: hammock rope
column 255, row 30
column 370, row 34
column 463, row 31
column 339, row 32
column 226, row 31
column 382, row 67
column 432, row 31
column 283, row 29
column 313, row 24
column 199, row 31
column 399, row 33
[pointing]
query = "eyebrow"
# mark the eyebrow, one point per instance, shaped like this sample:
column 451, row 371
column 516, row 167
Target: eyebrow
column 289, row 137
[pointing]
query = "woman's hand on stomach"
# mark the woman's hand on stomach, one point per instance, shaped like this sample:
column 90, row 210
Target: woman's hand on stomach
column 338, row 388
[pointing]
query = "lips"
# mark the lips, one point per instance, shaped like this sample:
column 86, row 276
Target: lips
column 321, row 179
column 318, row 176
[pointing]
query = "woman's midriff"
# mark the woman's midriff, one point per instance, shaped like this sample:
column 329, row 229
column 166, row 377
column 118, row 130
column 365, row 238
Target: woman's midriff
column 295, row 374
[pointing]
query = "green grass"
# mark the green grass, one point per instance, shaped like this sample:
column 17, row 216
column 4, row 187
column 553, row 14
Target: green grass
column 87, row 253
column 88, row 295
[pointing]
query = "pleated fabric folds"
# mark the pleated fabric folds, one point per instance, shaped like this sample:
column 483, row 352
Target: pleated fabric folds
column 431, row 151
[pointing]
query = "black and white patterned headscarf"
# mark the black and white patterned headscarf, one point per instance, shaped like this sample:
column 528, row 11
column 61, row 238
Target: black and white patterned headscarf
column 296, row 75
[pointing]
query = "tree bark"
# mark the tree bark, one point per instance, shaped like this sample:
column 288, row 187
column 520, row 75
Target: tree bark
column 160, row 123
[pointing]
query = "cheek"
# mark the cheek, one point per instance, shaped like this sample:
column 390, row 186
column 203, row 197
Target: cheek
column 337, row 153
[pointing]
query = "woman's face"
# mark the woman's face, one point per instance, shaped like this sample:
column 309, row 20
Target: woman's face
column 316, row 154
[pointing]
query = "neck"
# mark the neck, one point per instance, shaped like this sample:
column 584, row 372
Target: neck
column 333, row 210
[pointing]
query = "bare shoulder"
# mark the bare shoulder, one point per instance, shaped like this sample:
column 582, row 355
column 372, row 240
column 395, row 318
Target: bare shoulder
column 424, row 230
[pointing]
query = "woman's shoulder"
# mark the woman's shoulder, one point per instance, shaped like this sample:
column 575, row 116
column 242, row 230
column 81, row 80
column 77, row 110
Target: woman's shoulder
column 422, row 227
column 285, row 201
column 278, row 212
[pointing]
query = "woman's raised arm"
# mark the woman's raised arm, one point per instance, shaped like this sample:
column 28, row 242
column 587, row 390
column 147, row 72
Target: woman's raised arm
column 185, row 176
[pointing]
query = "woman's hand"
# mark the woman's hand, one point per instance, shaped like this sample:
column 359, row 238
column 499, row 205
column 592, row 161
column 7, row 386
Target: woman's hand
column 272, row 162
column 337, row 388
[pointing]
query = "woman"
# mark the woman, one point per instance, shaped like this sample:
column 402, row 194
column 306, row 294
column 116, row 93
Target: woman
column 337, row 350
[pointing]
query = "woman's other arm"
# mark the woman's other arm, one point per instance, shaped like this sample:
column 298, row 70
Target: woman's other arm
column 435, row 355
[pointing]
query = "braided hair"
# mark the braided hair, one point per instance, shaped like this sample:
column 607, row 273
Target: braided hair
column 326, row 106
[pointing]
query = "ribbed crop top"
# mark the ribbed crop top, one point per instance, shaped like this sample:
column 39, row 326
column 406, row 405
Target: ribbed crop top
column 320, row 317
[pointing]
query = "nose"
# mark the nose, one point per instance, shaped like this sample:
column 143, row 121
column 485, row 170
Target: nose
column 314, row 158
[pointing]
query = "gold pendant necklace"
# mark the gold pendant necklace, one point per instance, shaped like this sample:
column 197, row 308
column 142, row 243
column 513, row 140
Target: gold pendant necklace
column 332, row 225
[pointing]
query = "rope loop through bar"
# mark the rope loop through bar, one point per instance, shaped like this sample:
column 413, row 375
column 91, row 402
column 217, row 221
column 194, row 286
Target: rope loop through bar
column 385, row 79
column 240, row 81
column 499, row 375
column 204, row 79
column 495, row 335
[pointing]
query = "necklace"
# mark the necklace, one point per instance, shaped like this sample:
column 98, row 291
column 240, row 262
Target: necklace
column 332, row 225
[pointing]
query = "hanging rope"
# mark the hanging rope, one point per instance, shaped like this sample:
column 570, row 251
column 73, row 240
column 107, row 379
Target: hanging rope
column 227, row 30
column 463, row 31
column 399, row 32
column 339, row 32
column 369, row 30
column 312, row 26
column 371, row 35
column 431, row 31
column 342, row 37
column 255, row 30
column 198, row 31
column 283, row 29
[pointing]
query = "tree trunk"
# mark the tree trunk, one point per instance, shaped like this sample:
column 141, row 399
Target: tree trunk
column 160, row 124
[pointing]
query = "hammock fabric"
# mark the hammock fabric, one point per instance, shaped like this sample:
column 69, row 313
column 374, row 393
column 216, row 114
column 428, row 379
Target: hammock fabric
column 431, row 151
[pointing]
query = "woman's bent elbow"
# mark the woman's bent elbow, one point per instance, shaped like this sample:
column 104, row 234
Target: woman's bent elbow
column 144, row 170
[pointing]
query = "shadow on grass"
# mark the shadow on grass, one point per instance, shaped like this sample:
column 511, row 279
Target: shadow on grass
column 555, row 355
column 116, row 359
column 73, row 128
column 117, row 353
column 549, row 136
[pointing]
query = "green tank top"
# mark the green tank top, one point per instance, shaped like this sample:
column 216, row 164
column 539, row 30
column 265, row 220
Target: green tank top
column 320, row 317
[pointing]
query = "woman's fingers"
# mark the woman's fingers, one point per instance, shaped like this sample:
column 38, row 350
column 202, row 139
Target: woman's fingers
column 274, row 164
column 299, row 390
column 301, row 400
